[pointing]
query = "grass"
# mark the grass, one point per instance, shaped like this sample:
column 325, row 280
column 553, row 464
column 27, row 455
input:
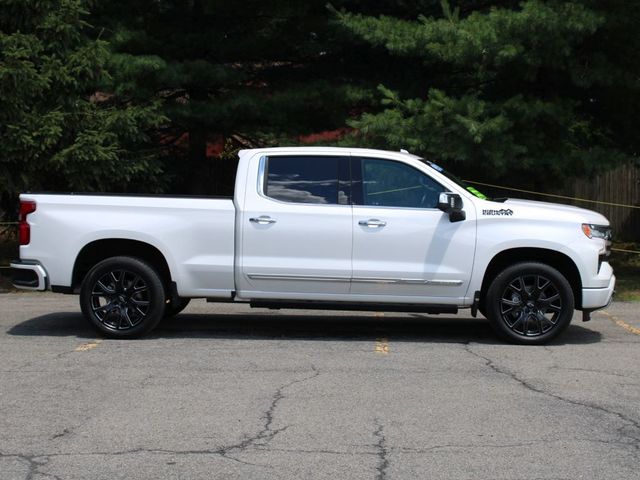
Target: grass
column 625, row 265
column 627, row 284
column 627, row 270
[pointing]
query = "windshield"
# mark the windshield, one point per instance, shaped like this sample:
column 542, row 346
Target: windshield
column 453, row 178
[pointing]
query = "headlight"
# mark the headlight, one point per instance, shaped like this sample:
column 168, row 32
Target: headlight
column 596, row 231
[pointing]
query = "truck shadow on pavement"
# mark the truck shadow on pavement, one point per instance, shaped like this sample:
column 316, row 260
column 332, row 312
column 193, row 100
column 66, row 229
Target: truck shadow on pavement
column 260, row 326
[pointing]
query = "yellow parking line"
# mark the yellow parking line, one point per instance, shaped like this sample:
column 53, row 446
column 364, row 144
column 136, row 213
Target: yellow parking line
column 88, row 346
column 623, row 324
column 382, row 345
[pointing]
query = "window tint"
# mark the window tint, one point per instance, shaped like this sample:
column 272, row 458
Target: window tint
column 303, row 179
column 387, row 183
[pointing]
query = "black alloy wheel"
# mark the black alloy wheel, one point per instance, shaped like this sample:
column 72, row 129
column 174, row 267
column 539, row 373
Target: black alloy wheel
column 120, row 299
column 123, row 297
column 530, row 303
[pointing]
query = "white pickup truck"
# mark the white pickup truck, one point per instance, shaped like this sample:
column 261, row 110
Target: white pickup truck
column 329, row 228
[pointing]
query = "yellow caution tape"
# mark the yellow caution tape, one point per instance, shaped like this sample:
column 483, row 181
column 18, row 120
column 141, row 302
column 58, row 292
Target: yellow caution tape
column 554, row 195
column 623, row 250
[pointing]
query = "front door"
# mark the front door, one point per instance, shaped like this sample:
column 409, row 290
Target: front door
column 403, row 246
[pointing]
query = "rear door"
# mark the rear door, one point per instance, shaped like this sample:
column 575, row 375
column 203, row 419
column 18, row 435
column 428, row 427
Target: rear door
column 297, row 228
column 404, row 247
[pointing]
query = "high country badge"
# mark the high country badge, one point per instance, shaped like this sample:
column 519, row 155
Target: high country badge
column 501, row 212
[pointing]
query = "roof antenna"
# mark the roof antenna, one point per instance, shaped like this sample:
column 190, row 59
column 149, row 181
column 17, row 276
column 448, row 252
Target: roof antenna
column 402, row 150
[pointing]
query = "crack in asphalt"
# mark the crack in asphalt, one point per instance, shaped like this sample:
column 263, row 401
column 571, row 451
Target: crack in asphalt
column 635, row 440
column 592, row 370
column 319, row 450
column 382, row 451
column 507, row 445
column 267, row 433
column 556, row 366
column 62, row 434
column 261, row 439
column 375, row 451
column 34, row 464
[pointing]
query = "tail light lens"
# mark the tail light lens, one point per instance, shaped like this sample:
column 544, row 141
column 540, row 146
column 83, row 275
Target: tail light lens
column 24, row 229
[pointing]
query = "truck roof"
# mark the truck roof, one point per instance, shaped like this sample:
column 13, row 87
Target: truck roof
column 327, row 150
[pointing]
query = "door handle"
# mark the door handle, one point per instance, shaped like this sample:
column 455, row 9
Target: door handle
column 372, row 223
column 262, row 220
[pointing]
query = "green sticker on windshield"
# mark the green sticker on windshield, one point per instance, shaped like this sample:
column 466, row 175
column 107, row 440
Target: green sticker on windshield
column 477, row 193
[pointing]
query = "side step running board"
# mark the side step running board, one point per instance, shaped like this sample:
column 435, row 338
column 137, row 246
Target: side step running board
column 377, row 307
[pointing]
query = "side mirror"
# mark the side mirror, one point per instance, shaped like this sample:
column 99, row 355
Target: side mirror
column 451, row 204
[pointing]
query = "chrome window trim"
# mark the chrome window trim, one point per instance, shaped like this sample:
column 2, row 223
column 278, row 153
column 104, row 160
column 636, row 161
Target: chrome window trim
column 418, row 209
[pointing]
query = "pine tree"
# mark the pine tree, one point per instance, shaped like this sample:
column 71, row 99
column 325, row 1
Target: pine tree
column 60, row 126
column 530, row 91
column 265, row 71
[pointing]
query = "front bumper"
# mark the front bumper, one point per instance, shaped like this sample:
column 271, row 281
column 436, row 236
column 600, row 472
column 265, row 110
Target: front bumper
column 595, row 298
column 28, row 275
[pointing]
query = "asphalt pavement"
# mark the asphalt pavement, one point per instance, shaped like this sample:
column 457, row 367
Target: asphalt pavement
column 226, row 392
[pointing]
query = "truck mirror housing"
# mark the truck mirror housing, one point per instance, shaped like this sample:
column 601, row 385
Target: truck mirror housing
column 451, row 204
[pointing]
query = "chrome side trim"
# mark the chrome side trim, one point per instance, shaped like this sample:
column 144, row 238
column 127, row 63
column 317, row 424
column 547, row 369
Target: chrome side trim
column 445, row 283
column 308, row 278
column 323, row 278
column 408, row 281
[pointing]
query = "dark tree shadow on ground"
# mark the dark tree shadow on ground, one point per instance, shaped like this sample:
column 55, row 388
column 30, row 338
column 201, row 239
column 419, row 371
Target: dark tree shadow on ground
column 261, row 326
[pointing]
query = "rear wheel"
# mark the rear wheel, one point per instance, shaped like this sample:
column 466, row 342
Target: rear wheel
column 123, row 297
column 529, row 303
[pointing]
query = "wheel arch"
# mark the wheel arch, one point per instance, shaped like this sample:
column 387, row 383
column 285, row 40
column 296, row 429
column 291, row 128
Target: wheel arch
column 99, row 250
column 561, row 262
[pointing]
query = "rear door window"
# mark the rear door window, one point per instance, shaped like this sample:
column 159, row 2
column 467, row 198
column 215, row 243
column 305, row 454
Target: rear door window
column 307, row 179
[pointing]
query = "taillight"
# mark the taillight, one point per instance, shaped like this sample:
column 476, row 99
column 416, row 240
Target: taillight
column 26, row 207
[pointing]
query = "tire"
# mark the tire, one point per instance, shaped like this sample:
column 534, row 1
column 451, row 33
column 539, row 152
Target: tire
column 529, row 303
column 174, row 308
column 107, row 301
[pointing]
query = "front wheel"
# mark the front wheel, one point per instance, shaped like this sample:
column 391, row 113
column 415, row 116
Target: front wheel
column 529, row 303
column 123, row 297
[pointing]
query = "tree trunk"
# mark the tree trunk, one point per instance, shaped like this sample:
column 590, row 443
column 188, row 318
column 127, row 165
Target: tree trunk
column 199, row 172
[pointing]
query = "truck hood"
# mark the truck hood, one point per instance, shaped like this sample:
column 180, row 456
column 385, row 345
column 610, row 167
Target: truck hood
column 534, row 209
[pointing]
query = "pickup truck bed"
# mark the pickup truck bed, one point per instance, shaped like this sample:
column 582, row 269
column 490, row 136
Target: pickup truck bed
column 195, row 236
